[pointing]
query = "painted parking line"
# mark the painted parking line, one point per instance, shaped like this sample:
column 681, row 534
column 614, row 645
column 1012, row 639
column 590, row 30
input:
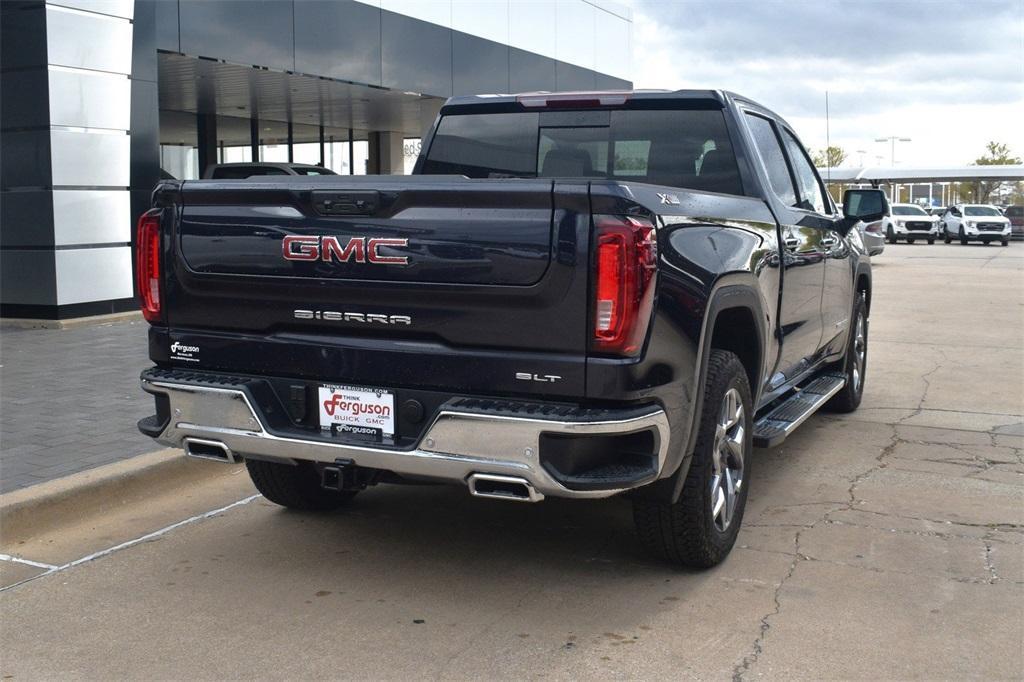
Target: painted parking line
column 51, row 569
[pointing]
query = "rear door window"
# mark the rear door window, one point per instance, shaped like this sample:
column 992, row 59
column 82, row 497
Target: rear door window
column 774, row 159
column 679, row 148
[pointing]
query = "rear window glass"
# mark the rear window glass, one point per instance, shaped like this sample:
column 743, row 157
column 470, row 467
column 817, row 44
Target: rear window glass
column 1014, row 212
column 686, row 149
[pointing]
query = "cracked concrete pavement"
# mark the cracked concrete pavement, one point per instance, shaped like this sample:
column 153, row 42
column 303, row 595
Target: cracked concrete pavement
column 888, row 543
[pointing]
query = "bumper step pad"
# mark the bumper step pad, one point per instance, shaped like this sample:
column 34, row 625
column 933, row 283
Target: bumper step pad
column 771, row 429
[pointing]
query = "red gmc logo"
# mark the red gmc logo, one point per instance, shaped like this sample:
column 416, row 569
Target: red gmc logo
column 357, row 249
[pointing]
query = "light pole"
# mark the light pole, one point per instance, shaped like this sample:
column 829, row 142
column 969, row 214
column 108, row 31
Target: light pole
column 892, row 140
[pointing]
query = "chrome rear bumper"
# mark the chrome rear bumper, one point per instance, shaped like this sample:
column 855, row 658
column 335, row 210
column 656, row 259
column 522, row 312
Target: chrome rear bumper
column 456, row 446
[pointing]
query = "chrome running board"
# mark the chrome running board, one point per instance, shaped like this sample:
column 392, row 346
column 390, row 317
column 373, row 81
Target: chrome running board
column 771, row 429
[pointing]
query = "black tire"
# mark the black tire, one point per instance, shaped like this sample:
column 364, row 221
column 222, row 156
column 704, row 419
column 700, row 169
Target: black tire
column 687, row 532
column 945, row 235
column 295, row 487
column 910, row 241
column 963, row 237
column 1005, row 242
column 849, row 397
column 890, row 235
column 931, row 241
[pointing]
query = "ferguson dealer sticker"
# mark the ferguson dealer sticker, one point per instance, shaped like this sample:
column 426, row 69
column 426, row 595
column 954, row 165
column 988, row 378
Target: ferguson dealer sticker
column 184, row 352
column 362, row 411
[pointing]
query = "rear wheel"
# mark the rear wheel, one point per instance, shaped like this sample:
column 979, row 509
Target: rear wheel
column 910, row 241
column 700, row 529
column 931, row 241
column 1005, row 242
column 855, row 363
column 295, row 486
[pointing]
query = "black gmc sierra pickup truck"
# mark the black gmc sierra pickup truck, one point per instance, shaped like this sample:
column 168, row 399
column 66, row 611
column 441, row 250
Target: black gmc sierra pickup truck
column 575, row 295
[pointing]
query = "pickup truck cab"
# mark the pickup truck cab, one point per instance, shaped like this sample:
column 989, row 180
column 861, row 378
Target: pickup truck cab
column 576, row 295
column 975, row 222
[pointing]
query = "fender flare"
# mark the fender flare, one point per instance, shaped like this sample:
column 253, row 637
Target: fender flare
column 727, row 295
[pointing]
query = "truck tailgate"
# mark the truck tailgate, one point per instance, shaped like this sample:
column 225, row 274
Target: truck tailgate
column 444, row 264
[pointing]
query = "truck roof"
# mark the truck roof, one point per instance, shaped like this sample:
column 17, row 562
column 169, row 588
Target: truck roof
column 543, row 99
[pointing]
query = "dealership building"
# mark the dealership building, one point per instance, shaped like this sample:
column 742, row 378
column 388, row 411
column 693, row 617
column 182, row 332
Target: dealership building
column 102, row 98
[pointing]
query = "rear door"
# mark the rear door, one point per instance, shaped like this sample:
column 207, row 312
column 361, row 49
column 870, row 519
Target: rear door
column 803, row 257
column 817, row 210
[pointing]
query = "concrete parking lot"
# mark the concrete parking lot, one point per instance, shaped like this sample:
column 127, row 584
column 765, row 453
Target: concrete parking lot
column 888, row 543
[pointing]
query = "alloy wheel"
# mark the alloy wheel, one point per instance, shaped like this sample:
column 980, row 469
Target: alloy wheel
column 860, row 353
column 727, row 459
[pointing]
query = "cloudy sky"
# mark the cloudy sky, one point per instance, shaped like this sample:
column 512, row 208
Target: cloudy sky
column 948, row 75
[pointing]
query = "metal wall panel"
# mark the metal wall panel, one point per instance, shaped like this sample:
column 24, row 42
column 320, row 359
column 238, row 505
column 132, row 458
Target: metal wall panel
column 252, row 32
column 416, row 56
column 89, row 159
column 117, row 8
column 338, row 39
column 612, row 41
column 89, row 99
column 489, row 20
column 25, row 158
column 91, row 216
column 27, row 277
column 26, row 219
column 528, row 72
column 88, row 41
column 575, row 37
column 23, row 98
column 478, row 65
column 603, row 82
column 167, row 26
column 532, row 27
column 21, row 29
column 85, row 275
column 435, row 11
column 572, row 77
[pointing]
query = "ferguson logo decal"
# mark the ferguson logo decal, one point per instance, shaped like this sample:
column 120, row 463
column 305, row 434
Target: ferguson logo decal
column 356, row 249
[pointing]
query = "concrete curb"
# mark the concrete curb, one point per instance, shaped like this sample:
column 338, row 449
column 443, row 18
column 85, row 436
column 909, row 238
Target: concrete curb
column 32, row 511
column 71, row 323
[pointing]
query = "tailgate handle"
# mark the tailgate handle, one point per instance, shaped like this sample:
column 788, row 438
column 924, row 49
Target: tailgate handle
column 346, row 203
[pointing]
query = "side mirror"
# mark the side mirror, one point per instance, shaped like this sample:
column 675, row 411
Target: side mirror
column 867, row 205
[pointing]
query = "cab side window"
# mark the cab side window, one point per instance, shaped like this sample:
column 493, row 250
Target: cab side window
column 811, row 195
column 770, row 150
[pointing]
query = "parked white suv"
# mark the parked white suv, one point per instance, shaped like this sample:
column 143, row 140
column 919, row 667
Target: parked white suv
column 975, row 222
column 910, row 222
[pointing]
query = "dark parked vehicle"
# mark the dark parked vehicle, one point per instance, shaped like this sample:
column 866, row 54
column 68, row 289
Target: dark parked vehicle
column 1016, row 216
column 576, row 295
column 245, row 170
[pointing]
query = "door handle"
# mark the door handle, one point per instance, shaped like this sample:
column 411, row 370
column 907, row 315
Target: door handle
column 792, row 243
column 829, row 242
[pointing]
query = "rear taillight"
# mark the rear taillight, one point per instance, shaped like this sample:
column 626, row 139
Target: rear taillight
column 625, row 268
column 147, row 264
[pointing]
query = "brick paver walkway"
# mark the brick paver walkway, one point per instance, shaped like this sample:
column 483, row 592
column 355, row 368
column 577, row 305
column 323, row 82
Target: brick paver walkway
column 69, row 400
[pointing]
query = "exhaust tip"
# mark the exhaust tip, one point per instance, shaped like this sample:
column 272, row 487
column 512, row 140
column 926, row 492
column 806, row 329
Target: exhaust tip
column 497, row 487
column 208, row 449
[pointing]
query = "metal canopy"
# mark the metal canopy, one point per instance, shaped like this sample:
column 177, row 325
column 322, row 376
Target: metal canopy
column 207, row 86
column 905, row 175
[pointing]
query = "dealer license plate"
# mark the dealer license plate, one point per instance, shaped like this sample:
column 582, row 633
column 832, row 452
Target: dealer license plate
column 364, row 412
